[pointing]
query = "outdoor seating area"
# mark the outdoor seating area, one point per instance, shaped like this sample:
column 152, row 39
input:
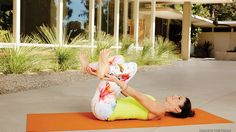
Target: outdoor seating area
column 118, row 65
column 208, row 83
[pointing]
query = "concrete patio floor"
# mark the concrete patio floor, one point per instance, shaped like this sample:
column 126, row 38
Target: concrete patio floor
column 211, row 85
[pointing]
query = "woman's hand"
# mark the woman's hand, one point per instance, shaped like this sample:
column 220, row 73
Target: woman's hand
column 111, row 78
column 90, row 71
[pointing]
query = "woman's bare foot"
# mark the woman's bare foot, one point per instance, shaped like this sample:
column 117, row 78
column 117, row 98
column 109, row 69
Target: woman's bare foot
column 103, row 63
column 83, row 61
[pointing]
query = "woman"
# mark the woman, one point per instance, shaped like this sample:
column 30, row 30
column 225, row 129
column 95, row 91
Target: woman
column 115, row 74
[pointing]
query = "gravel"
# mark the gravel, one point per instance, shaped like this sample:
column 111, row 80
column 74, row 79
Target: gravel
column 12, row 83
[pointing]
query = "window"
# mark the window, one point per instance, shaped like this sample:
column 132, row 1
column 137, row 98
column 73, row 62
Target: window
column 222, row 30
column 206, row 29
column 76, row 17
column 35, row 13
column 6, row 16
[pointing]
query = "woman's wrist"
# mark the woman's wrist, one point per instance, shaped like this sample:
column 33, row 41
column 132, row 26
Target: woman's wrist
column 122, row 85
column 125, row 86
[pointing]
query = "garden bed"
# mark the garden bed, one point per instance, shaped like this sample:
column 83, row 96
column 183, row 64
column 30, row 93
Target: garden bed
column 225, row 55
column 12, row 83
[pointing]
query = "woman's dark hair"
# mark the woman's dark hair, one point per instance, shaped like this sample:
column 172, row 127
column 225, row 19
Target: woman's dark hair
column 186, row 110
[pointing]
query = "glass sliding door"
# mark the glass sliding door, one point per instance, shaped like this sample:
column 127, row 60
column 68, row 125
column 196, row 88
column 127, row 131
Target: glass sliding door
column 6, row 15
column 108, row 7
column 35, row 13
column 76, row 17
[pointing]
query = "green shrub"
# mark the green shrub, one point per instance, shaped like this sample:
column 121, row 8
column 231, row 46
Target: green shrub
column 19, row 60
column 126, row 43
column 2, row 33
column 65, row 59
column 204, row 50
column 164, row 47
column 144, row 56
column 102, row 41
column 165, row 52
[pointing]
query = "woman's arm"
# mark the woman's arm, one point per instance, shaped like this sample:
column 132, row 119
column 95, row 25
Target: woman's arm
column 124, row 93
column 152, row 106
column 91, row 72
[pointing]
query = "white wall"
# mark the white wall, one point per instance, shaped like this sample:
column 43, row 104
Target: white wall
column 222, row 41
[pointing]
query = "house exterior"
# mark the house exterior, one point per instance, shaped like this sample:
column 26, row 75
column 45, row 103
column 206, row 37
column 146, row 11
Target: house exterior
column 137, row 18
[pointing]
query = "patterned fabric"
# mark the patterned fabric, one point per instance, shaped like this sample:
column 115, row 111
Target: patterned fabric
column 104, row 100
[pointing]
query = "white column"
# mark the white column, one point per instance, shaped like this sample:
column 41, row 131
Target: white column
column 168, row 28
column 186, row 31
column 91, row 23
column 152, row 24
column 116, row 23
column 125, row 18
column 136, row 23
column 16, row 21
column 60, row 22
column 99, row 16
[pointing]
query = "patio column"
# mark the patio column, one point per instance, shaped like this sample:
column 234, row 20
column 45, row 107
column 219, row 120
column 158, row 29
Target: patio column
column 16, row 21
column 136, row 23
column 59, row 26
column 186, row 31
column 91, row 24
column 125, row 18
column 168, row 28
column 99, row 16
column 116, row 23
column 152, row 24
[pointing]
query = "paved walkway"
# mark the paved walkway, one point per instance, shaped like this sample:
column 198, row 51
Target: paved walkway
column 211, row 85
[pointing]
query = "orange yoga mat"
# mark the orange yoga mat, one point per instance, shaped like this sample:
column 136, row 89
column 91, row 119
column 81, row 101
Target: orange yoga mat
column 86, row 121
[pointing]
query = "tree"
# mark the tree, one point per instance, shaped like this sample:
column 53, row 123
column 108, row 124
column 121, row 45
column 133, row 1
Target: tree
column 222, row 11
column 6, row 15
column 67, row 11
column 197, row 9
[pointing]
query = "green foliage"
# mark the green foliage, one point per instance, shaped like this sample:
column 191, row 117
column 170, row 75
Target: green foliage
column 144, row 56
column 126, row 43
column 24, row 59
column 204, row 50
column 195, row 31
column 6, row 17
column 102, row 41
column 2, row 34
column 223, row 12
column 197, row 9
column 165, row 52
column 234, row 50
column 178, row 7
column 47, row 35
column 200, row 10
column 164, row 47
column 65, row 59
column 19, row 60
column 147, row 44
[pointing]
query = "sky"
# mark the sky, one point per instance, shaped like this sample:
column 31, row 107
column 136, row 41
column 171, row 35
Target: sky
column 78, row 8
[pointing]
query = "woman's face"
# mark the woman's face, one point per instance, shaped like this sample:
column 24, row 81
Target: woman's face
column 175, row 100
